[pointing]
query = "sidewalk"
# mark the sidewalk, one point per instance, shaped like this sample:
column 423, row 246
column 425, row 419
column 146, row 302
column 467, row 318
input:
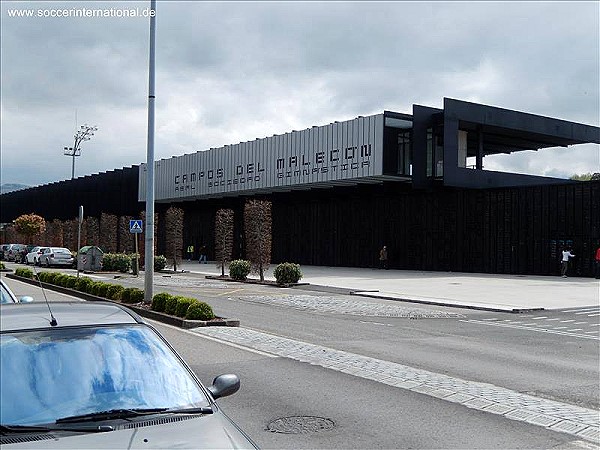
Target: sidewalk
column 509, row 293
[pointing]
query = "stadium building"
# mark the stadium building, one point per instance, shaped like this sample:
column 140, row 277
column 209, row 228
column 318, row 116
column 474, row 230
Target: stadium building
column 413, row 182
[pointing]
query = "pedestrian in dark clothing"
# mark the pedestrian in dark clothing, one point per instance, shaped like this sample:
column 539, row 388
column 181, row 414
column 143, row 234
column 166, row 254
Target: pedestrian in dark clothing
column 202, row 258
column 597, row 262
column 383, row 258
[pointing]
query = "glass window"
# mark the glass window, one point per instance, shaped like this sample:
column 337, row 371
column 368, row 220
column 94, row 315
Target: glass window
column 429, row 152
column 404, row 152
column 47, row 375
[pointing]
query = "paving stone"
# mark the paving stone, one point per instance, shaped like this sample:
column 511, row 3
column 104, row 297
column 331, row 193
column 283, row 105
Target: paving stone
column 575, row 420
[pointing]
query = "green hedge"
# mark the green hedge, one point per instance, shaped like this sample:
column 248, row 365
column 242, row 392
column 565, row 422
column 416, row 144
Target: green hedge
column 114, row 292
column 183, row 303
column 102, row 289
column 117, row 262
column 83, row 284
column 199, row 311
column 132, row 295
column 25, row 273
column 239, row 269
column 171, row 305
column 287, row 273
column 159, row 301
column 71, row 282
column 160, row 262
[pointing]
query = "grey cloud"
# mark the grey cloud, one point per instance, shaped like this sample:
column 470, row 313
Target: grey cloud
column 231, row 71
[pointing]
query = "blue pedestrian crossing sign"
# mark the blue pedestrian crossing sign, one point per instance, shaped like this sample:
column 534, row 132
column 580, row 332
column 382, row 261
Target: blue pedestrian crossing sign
column 135, row 226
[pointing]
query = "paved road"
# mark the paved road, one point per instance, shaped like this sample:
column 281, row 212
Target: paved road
column 302, row 390
column 538, row 369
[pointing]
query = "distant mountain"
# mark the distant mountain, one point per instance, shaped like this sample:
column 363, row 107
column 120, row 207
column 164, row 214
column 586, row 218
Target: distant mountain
column 9, row 187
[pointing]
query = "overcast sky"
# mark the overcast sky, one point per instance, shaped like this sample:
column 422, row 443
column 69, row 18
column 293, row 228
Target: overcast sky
column 228, row 72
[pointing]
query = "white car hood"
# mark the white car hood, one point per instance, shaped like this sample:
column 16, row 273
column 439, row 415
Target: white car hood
column 209, row 431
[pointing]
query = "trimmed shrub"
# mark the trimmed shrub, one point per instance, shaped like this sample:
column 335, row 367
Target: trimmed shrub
column 41, row 276
column 45, row 276
column 114, row 292
column 199, row 311
column 120, row 262
column 93, row 289
column 160, row 262
column 60, row 280
column 132, row 295
column 183, row 303
column 102, row 289
column 71, row 282
column 287, row 273
column 159, row 301
column 136, row 296
column 83, row 284
column 126, row 294
column 239, row 269
column 25, row 273
column 171, row 305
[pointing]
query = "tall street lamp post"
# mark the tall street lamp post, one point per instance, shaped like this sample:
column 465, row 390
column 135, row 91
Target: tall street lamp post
column 84, row 133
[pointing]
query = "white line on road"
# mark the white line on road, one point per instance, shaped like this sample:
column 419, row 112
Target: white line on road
column 539, row 330
column 220, row 341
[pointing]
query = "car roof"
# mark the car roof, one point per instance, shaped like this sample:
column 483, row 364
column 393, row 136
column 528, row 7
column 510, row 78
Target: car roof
column 32, row 316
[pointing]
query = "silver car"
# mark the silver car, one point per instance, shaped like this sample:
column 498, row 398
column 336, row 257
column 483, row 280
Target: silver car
column 95, row 375
column 56, row 256
column 33, row 257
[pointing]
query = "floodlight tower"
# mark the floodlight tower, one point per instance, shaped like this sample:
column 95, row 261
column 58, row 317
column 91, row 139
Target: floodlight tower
column 84, row 133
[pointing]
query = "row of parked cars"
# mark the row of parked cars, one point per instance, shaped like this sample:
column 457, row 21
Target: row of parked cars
column 37, row 255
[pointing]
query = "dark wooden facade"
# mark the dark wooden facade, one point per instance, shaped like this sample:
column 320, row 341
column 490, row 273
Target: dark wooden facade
column 508, row 230
column 504, row 230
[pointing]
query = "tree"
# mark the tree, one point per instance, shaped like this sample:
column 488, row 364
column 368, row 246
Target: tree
column 586, row 177
column 174, row 237
column 30, row 225
column 257, row 229
column 223, row 237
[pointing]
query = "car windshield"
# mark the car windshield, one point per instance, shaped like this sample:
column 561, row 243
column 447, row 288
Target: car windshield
column 48, row 375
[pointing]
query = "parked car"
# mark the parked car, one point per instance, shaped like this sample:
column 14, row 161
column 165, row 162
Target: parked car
column 33, row 257
column 101, row 377
column 7, row 296
column 56, row 256
column 14, row 252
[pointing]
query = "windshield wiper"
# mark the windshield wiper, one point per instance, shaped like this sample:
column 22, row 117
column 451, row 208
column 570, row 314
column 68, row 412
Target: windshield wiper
column 111, row 414
column 131, row 413
column 13, row 429
column 201, row 410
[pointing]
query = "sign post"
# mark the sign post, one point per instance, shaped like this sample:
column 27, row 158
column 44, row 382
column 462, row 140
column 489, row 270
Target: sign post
column 135, row 227
column 79, row 238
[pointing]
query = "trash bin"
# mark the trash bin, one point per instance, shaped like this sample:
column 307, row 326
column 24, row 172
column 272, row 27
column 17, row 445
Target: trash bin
column 89, row 258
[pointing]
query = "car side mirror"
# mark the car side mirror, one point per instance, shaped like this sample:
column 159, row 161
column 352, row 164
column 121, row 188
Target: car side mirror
column 224, row 385
column 25, row 299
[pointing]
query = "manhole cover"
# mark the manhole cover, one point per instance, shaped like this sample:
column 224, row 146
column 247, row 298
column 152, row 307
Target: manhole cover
column 300, row 424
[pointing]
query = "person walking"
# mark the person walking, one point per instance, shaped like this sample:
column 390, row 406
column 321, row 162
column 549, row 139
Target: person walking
column 190, row 252
column 202, row 255
column 597, row 262
column 564, row 264
column 383, row 258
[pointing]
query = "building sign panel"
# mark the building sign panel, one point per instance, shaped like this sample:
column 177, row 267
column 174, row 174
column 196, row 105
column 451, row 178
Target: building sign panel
column 337, row 152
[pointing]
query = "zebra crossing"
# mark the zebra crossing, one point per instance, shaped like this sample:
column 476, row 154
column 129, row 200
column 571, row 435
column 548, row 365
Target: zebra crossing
column 580, row 322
